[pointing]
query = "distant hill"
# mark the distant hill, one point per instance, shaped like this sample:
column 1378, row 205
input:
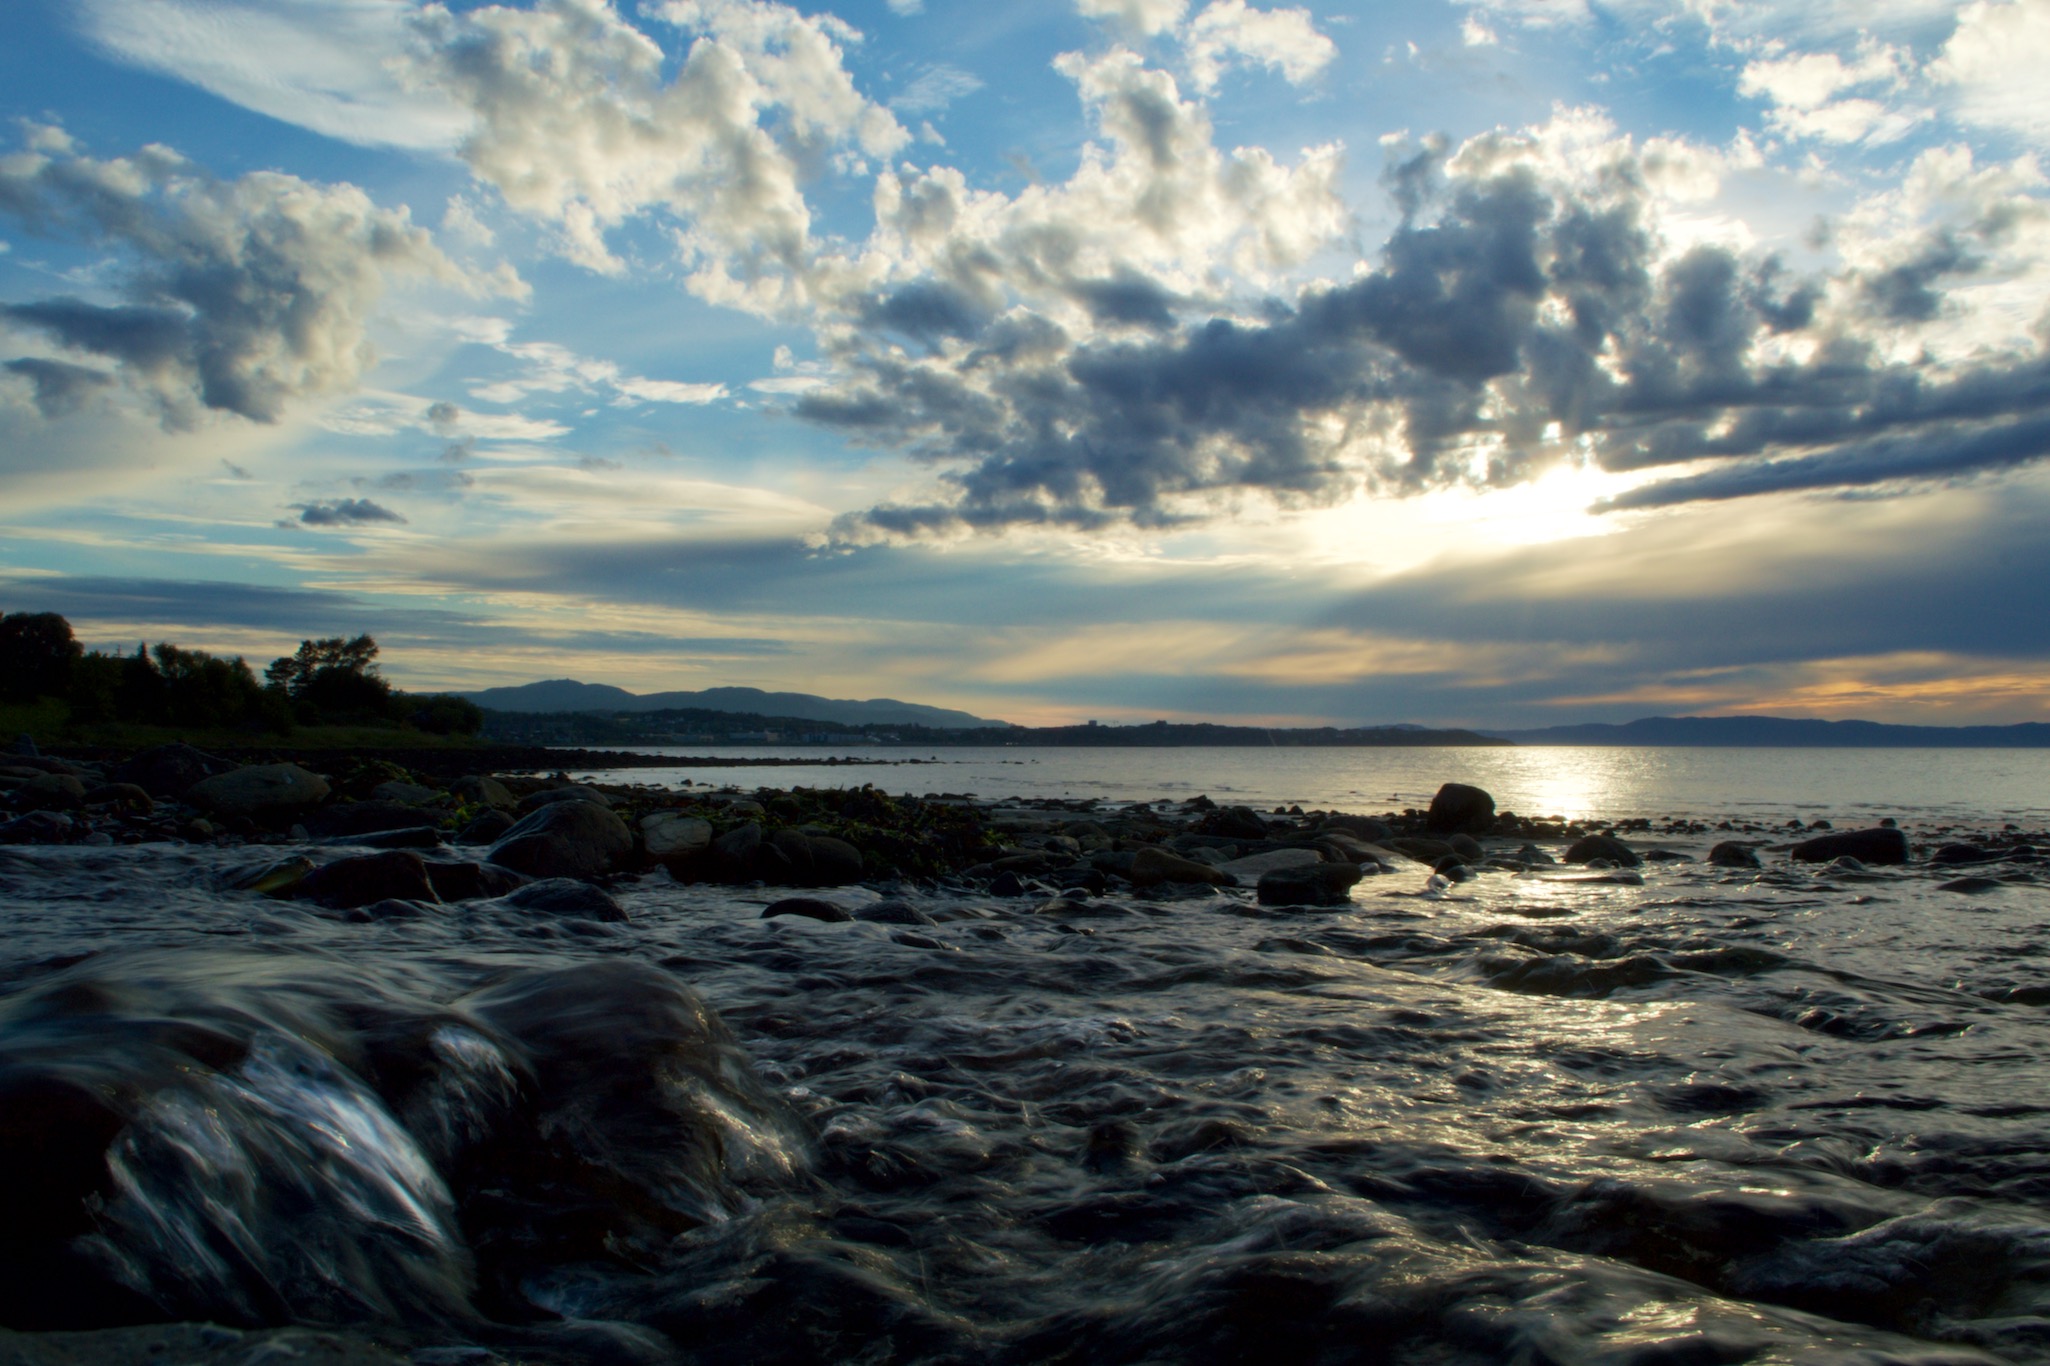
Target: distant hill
column 1768, row 731
column 568, row 695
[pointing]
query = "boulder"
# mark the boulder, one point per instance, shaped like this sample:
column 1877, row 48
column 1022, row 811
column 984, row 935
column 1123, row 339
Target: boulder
column 1252, row 866
column 834, row 862
column 472, row 881
column 675, row 839
column 53, row 792
column 1322, row 884
column 1588, row 848
column 488, row 828
column 734, row 853
column 126, row 796
column 892, row 913
column 1460, row 809
column 413, row 837
column 567, row 897
column 1878, row 845
column 169, row 771
column 1234, row 822
column 1956, row 854
column 568, row 838
column 1151, row 867
column 1466, row 846
column 478, row 789
column 349, row 820
column 394, row 874
column 265, row 793
column 811, row 907
column 1359, row 827
column 1730, row 854
column 1422, row 850
column 548, row 796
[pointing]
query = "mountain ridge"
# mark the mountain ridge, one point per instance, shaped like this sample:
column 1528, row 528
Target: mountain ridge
column 1780, row 732
column 570, row 695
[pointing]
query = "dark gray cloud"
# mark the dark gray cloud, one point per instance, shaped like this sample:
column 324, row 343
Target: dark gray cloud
column 59, row 386
column 237, row 296
column 345, row 512
column 1510, row 323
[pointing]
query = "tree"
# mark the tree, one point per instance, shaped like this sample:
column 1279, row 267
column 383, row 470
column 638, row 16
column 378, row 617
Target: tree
column 445, row 715
column 333, row 679
column 37, row 652
column 295, row 672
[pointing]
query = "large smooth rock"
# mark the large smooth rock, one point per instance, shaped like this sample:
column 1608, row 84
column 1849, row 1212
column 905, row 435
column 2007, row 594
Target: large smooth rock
column 261, row 792
column 412, row 794
column 484, row 791
column 1252, row 866
column 1881, row 845
column 567, row 897
column 1588, row 848
column 574, row 839
column 1459, row 808
column 1730, row 854
column 367, row 878
column 1234, row 822
column 348, row 820
column 473, row 881
column 675, row 839
column 53, row 792
column 810, row 907
column 1151, row 867
column 1324, row 884
column 488, row 828
column 576, row 792
column 1359, row 827
column 834, row 862
column 171, row 770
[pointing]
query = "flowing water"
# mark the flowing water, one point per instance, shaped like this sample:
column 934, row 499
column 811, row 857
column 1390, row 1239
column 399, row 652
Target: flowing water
column 1701, row 1116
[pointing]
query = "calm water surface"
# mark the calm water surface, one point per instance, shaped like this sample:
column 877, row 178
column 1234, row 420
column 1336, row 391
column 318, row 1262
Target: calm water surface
column 1794, row 1115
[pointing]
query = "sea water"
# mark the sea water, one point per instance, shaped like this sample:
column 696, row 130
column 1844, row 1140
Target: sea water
column 1697, row 1115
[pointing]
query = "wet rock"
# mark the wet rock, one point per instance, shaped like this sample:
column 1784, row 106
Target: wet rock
column 565, row 839
column 1454, row 870
column 1007, row 884
column 121, row 796
column 351, row 882
column 488, row 828
column 575, row 792
column 350, row 820
column 1588, row 848
column 1251, row 867
column 412, row 794
column 478, row 789
column 674, row 839
column 1359, row 827
column 1729, row 854
column 1151, row 867
column 811, row 907
column 1666, row 856
column 567, row 897
column 1460, row 809
column 734, row 852
column 38, row 827
column 892, row 913
column 1530, row 853
column 1467, row 847
column 170, row 771
column 1878, row 845
column 472, row 881
column 1422, row 850
column 1954, row 854
column 834, row 862
column 413, row 837
column 1325, row 884
column 1971, row 886
column 265, row 793
column 281, row 878
column 53, row 792
column 1234, row 822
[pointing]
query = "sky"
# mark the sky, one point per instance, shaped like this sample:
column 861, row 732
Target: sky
column 1464, row 362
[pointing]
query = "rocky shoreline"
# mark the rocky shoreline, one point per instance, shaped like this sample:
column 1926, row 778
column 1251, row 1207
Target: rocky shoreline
column 373, row 839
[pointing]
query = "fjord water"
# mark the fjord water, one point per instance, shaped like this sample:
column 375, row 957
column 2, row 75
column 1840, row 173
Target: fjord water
column 1716, row 1116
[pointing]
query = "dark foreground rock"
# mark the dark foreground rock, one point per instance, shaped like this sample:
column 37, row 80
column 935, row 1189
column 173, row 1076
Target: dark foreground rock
column 1588, row 848
column 1880, row 845
column 576, row 839
column 567, row 897
column 265, row 793
column 1322, row 884
column 810, row 907
column 1732, row 855
column 394, row 874
column 1461, row 809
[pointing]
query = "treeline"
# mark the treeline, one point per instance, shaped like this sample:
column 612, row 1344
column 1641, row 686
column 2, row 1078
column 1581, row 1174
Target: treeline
column 324, row 683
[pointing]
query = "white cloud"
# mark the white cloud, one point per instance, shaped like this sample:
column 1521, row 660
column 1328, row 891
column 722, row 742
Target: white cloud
column 326, row 65
column 1995, row 63
column 548, row 368
column 907, row 7
column 1228, row 32
column 1141, row 17
column 237, row 296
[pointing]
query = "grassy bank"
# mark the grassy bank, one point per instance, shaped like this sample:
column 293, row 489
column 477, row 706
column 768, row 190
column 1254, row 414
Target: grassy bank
column 48, row 723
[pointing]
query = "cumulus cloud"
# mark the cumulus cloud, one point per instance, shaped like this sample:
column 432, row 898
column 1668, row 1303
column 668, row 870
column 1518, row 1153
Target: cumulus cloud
column 236, row 296
column 581, row 122
column 1229, row 33
column 346, row 512
column 1528, row 312
column 1994, row 63
column 1141, row 17
column 59, row 387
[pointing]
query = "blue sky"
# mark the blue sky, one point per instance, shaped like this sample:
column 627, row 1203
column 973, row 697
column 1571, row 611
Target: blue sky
column 1482, row 362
